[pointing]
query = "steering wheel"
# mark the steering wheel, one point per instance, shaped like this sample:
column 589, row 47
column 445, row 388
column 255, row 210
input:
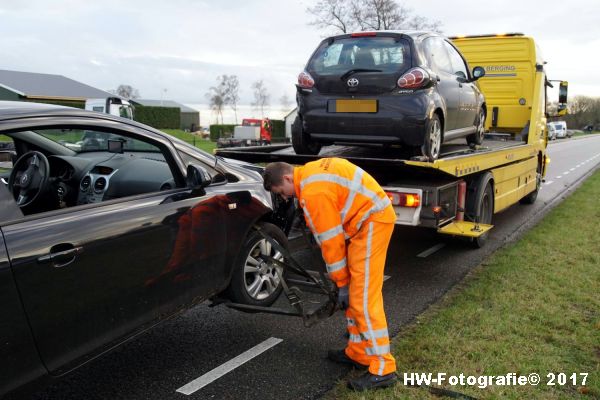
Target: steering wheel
column 29, row 178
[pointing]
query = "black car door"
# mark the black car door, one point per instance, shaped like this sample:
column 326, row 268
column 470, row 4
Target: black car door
column 92, row 275
column 19, row 360
column 468, row 90
column 448, row 85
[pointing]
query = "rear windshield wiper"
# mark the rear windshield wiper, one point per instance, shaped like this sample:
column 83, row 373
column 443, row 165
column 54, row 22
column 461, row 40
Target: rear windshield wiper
column 353, row 71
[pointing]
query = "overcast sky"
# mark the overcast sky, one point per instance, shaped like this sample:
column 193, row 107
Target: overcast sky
column 183, row 45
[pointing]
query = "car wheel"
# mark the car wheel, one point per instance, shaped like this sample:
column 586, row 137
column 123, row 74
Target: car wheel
column 255, row 280
column 301, row 141
column 477, row 137
column 433, row 139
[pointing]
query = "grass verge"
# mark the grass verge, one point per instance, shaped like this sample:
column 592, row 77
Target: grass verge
column 197, row 141
column 532, row 307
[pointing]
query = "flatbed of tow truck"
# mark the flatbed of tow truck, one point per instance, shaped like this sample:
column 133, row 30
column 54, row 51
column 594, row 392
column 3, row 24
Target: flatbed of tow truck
column 456, row 157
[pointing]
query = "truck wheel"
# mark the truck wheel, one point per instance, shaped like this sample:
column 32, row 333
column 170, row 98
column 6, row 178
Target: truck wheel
column 480, row 205
column 433, row 139
column 301, row 141
column 477, row 137
column 254, row 280
column 531, row 197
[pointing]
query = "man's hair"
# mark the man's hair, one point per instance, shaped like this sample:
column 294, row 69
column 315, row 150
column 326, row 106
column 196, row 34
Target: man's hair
column 274, row 172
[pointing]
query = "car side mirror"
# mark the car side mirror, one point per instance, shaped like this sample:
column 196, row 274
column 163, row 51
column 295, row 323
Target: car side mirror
column 197, row 177
column 478, row 72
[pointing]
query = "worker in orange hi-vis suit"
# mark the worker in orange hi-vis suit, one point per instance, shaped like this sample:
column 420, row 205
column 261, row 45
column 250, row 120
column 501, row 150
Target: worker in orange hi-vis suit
column 352, row 220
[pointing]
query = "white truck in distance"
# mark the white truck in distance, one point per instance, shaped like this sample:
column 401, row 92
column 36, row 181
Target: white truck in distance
column 111, row 105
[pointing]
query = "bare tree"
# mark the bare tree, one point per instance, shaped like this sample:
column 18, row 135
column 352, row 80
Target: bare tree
column 583, row 110
column 285, row 102
column 261, row 96
column 352, row 15
column 231, row 90
column 216, row 99
column 127, row 91
column 333, row 13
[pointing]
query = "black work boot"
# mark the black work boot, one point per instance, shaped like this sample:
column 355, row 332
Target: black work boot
column 368, row 381
column 340, row 357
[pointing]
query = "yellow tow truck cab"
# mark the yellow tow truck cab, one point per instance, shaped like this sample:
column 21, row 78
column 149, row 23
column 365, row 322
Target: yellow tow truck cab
column 458, row 193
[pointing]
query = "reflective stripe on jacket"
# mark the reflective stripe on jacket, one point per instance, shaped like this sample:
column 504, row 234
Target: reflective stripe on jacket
column 337, row 198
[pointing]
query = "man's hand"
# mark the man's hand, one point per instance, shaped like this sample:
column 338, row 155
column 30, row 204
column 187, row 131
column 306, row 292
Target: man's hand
column 343, row 297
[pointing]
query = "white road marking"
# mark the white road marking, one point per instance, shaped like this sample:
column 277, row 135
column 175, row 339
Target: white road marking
column 549, row 182
column 431, row 250
column 572, row 169
column 386, row 277
column 229, row 366
column 558, row 177
column 566, row 173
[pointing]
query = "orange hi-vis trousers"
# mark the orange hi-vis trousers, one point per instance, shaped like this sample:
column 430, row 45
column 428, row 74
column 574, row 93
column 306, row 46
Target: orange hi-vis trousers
column 369, row 342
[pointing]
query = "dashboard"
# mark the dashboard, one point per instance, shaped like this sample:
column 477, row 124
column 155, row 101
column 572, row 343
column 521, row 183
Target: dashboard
column 93, row 178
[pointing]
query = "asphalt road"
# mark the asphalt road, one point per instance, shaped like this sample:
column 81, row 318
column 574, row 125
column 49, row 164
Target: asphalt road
column 156, row 364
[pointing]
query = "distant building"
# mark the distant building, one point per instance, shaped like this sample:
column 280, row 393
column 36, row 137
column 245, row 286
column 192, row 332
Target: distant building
column 190, row 118
column 289, row 120
column 46, row 88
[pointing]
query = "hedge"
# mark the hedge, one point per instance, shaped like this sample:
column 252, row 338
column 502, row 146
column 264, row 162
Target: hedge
column 158, row 117
column 221, row 130
column 278, row 128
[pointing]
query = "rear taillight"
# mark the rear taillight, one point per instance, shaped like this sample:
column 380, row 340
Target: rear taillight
column 414, row 79
column 305, row 81
column 404, row 199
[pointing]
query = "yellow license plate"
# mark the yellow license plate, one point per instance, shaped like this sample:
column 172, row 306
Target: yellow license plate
column 356, row 106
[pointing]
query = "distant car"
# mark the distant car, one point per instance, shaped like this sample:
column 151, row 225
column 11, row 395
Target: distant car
column 413, row 89
column 101, row 241
column 588, row 128
column 561, row 129
column 551, row 132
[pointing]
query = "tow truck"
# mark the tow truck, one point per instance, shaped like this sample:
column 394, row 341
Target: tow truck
column 459, row 193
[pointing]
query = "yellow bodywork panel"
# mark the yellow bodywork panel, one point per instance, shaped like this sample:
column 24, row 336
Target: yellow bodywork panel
column 513, row 182
column 509, row 81
column 465, row 228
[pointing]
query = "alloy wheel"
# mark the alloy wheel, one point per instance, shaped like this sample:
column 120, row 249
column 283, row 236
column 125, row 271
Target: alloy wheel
column 261, row 278
column 435, row 138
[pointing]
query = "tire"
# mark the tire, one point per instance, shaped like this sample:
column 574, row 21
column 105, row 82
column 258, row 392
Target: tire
column 253, row 284
column 480, row 205
column 532, row 197
column 301, row 141
column 477, row 137
column 432, row 142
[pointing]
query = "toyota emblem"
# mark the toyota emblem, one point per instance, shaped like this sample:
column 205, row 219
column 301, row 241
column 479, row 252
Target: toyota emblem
column 24, row 179
column 353, row 82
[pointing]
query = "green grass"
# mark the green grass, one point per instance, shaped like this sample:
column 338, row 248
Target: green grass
column 197, row 141
column 533, row 307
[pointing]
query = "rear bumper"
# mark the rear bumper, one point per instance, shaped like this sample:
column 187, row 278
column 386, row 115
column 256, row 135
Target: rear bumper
column 400, row 119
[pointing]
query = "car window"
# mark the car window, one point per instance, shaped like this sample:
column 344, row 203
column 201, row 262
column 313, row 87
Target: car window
column 92, row 173
column 7, row 155
column 437, row 55
column 84, row 140
column 458, row 64
column 386, row 54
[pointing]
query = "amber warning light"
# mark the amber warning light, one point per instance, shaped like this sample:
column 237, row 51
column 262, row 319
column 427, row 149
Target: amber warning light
column 412, row 200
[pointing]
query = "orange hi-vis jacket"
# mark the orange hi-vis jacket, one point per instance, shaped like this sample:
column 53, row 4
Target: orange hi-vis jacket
column 338, row 198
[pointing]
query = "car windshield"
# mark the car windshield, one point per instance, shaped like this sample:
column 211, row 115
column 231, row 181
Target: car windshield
column 381, row 54
column 83, row 140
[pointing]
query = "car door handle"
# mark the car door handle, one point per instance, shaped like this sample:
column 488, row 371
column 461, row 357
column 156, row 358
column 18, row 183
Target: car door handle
column 61, row 258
